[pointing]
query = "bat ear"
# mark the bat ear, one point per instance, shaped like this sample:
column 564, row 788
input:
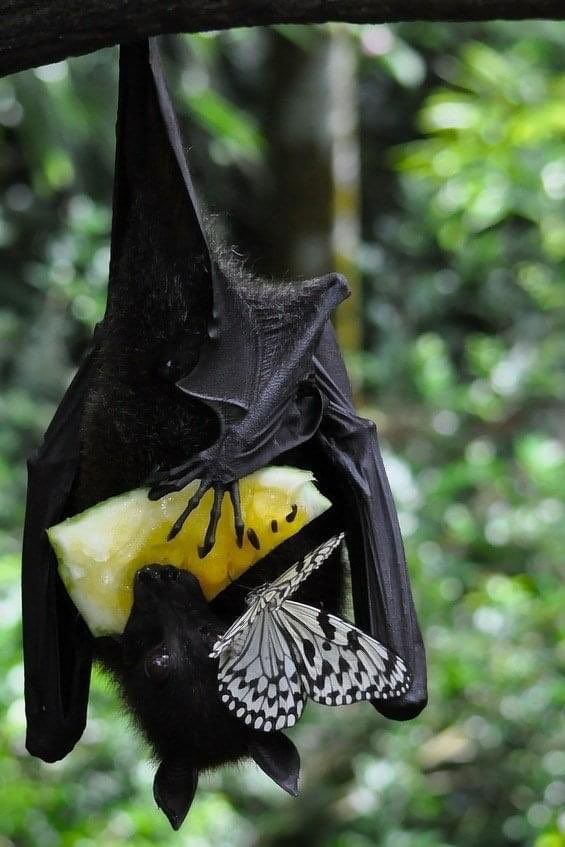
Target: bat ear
column 174, row 788
column 277, row 756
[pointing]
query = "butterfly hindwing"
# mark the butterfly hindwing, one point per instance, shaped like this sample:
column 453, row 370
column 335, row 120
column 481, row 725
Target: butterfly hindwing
column 259, row 681
column 339, row 663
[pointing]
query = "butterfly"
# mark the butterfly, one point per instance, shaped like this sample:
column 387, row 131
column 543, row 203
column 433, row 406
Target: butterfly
column 279, row 653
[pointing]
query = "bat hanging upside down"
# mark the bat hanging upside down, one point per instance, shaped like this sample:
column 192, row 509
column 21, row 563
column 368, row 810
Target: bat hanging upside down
column 200, row 371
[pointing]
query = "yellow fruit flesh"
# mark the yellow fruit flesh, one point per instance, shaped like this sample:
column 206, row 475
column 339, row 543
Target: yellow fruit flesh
column 100, row 550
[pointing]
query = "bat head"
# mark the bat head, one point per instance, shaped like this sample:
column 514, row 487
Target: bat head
column 168, row 613
column 167, row 675
column 171, row 685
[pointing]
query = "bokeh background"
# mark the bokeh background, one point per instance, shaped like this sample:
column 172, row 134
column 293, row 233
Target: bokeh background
column 428, row 163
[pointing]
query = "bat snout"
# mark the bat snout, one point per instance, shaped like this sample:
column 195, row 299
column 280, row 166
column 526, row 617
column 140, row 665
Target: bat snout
column 165, row 575
column 165, row 585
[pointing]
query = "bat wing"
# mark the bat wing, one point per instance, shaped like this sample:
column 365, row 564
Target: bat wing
column 350, row 467
column 260, row 347
column 261, row 337
column 155, row 205
column 56, row 642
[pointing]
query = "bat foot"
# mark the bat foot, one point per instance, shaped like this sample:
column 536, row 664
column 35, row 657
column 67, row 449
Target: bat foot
column 239, row 525
column 161, row 482
column 219, row 491
column 190, row 507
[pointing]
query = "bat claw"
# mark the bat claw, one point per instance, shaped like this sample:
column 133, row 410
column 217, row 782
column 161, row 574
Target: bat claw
column 239, row 523
column 210, row 538
column 190, row 507
column 219, row 491
column 158, row 491
column 174, row 531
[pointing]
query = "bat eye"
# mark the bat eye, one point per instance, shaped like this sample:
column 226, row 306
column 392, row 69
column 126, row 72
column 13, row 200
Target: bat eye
column 167, row 370
column 157, row 664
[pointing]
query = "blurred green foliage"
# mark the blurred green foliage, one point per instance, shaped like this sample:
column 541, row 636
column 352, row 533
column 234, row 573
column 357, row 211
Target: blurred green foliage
column 463, row 255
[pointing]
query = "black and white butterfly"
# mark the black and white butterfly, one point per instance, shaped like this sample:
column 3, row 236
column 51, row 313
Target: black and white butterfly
column 279, row 653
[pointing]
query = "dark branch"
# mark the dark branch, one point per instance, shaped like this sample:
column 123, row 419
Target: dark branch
column 42, row 31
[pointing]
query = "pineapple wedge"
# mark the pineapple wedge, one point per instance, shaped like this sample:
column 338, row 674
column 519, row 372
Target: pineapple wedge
column 100, row 549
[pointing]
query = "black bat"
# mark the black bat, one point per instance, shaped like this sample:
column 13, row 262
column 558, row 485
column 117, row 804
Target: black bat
column 121, row 418
column 160, row 391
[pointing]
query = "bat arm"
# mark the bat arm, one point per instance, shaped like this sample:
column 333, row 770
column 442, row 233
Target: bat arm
column 241, row 449
column 382, row 597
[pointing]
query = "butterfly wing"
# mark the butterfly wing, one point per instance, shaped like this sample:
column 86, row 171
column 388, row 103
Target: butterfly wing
column 274, row 594
column 258, row 679
column 258, row 676
column 234, row 637
column 337, row 662
column 288, row 582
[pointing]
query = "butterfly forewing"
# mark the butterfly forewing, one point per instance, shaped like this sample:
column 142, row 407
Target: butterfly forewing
column 234, row 634
column 277, row 591
column 288, row 582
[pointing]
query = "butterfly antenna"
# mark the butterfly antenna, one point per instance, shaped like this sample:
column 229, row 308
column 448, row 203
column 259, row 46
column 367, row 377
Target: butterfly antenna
column 238, row 583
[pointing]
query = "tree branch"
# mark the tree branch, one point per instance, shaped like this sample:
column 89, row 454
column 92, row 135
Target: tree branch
column 42, row 31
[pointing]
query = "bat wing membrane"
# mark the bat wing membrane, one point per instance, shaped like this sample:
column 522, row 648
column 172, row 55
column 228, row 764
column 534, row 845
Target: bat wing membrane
column 352, row 474
column 56, row 641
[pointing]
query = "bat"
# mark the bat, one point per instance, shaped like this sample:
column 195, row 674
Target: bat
column 280, row 652
column 159, row 398
column 121, row 419
column 56, row 642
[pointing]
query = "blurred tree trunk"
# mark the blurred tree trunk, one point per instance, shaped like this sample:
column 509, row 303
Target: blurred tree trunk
column 297, row 112
column 45, row 31
column 311, row 126
column 344, row 133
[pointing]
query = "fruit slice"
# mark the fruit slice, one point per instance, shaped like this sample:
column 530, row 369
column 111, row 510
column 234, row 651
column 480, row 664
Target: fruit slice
column 100, row 550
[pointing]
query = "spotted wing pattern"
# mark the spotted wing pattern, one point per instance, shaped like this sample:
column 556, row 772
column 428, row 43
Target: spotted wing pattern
column 260, row 682
column 338, row 663
column 281, row 652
